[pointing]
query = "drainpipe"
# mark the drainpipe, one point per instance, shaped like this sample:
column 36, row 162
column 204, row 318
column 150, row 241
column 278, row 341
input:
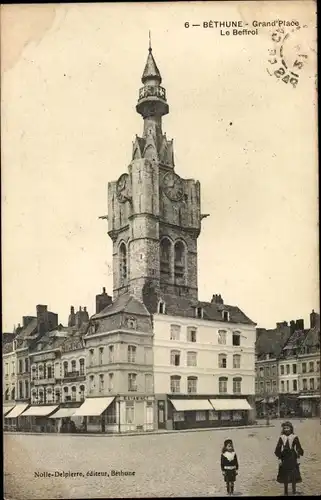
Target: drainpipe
column 119, row 414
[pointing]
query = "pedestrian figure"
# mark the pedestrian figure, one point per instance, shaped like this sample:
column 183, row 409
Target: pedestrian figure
column 288, row 450
column 229, row 465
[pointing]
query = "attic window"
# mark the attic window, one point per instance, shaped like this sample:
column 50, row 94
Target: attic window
column 226, row 316
column 199, row 312
column 161, row 308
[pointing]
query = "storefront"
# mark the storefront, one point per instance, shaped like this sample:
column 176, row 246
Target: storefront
column 214, row 412
column 309, row 405
column 63, row 421
column 7, row 424
column 13, row 419
column 97, row 415
column 35, row 419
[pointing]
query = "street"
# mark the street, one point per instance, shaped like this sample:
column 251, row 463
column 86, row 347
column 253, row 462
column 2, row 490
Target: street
column 182, row 464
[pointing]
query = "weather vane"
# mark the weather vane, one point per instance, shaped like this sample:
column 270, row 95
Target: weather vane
column 150, row 41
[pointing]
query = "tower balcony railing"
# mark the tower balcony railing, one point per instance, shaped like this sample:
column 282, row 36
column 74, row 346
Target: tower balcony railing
column 152, row 91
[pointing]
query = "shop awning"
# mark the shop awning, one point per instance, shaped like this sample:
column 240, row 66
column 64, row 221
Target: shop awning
column 63, row 413
column 17, row 410
column 309, row 396
column 230, row 404
column 6, row 409
column 191, row 404
column 93, row 407
column 39, row 411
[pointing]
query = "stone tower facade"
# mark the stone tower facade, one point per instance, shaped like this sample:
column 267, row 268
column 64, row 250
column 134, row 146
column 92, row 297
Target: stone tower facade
column 154, row 216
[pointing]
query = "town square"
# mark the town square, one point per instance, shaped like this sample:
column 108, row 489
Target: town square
column 190, row 467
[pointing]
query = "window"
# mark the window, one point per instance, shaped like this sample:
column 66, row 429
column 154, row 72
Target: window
column 111, row 413
column 191, row 334
column 212, row 415
column 287, row 369
column 49, row 371
column 13, row 368
column 122, row 263
column 26, row 389
column 273, row 370
column 175, row 383
column 175, row 332
column 294, row 369
column 148, row 382
column 91, row 357
column 111, row 354
column 236, row 338
column 317, row 368
column 192, row 385
column 268, row 387
column 178, row 416
column 101, row 354
column 6, row 395
column 267, row 371
column 191, row 358
column 287, row 386
column 132, row 382
column 65, row 368
column 175, row 358
column 261, row 372
column 225, row 415
column 199, row 312
column 73, row 393
column 304, row 384
column 236, row 361
column 110, row 382
column 41, row 396
column 7, row 369
column 237, row 389
column 222, row 337
column 200, row 416
column 294, row 385
column 26, row 365
column 91, row 383
column 20, row 366
column 282, row 369
column 101, row 383
column 165, row 258
column 161, row 308
column 179, row 262
column 311, row 366
column 311, row 384
column 57, row 395
column 222, row 362
column 282, row 385
column 129, row 412
column 148, row 359
column 261, row 387
column 318, row 384
column 131, row 354
column 222, row 385
column 82, row 392
column 226, row 316
column 304, row 367
column 81, row 367
column 274, row 386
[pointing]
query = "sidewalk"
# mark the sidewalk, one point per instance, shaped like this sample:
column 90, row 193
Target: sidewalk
column 140, row 433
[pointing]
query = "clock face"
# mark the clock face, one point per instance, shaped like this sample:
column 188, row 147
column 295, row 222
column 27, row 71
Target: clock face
column 173, row 186
column 123, row 188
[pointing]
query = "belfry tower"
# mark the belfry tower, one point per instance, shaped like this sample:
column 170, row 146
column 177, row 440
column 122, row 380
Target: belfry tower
column 154, row 216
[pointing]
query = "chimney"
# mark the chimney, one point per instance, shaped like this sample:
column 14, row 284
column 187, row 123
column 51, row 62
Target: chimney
column 282, row 325
column 42, row 319
column 217, row 299
column 299, row 324
column 314, row 319
column 53, row 320
column 26, row 320
column 72, row 317
column 103, row 300
column 292, row 326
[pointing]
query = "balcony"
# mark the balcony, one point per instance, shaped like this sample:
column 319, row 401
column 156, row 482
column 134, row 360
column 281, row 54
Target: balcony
column 43, row 381
column 73, row 376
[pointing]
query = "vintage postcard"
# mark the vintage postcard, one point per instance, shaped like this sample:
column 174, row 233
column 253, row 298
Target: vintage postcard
column 161, row 322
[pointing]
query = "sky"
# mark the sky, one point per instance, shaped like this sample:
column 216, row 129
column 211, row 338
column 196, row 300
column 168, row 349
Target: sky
column 70, row 81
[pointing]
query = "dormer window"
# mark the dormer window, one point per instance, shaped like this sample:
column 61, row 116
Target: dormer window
column 226, row 316
column 161, row 307
column 199, row 312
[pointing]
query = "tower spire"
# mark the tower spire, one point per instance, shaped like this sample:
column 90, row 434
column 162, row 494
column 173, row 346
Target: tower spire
column 150, row 42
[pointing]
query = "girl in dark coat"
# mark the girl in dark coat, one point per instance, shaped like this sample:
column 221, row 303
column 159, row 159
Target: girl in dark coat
column 288, row 450
column 229, row 465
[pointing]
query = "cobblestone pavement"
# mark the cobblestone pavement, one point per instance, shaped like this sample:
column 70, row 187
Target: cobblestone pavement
column 186, row 464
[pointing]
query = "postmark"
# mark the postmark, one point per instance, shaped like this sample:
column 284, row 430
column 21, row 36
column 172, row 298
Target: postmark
column 287, row 57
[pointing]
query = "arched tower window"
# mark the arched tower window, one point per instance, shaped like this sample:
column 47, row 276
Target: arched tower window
column 123, row 263
column 165, row 258
column 180, row 263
